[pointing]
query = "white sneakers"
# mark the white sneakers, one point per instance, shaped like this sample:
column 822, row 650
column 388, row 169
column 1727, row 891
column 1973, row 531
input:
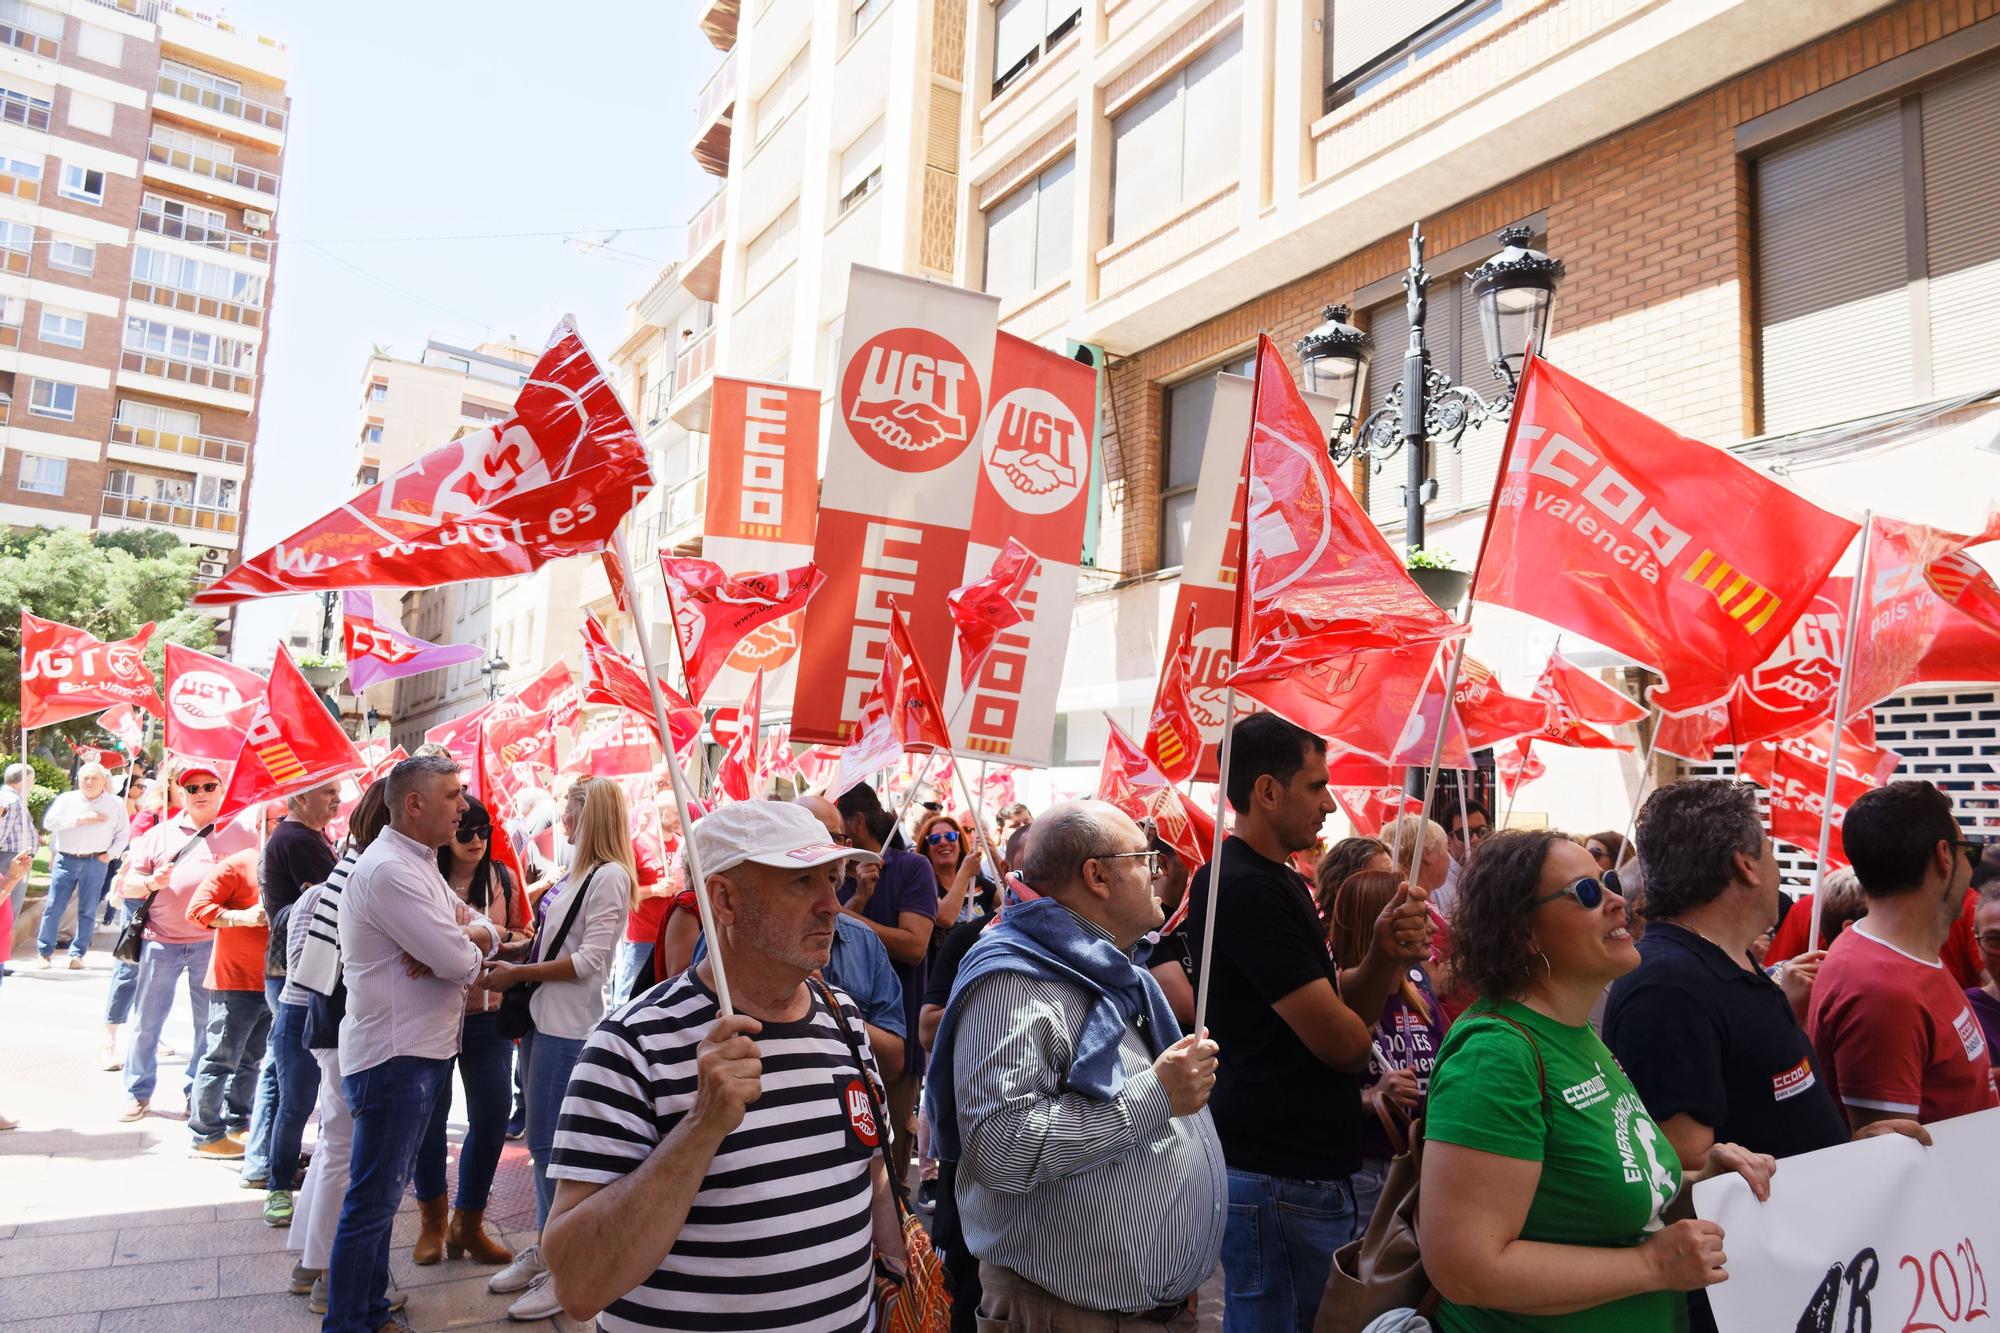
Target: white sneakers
column 538, row 1301
column 517, row 1276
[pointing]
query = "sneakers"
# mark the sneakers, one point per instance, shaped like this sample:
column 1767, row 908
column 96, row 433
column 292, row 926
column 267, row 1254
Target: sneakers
column 517, row 1276
column 75, row 963
column 134, row 1110
column 317, row 1301
column 111, row 1060
column 278, row 1208
column 255, row 1182
column 6, row 1124
column 223, row 1149
column 397, row 1324
column 517, row 1124
column 46, row 963
column 538, row 1301
column 303, row 1279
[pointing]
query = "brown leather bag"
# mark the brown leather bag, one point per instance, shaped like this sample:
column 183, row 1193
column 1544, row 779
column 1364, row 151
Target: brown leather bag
column 1384, row 1270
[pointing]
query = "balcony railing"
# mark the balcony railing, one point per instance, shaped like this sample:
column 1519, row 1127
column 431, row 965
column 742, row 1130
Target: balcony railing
column 686, row 505
column 657, row 398
column 705, row 225
column 210, row 448
column 197, row 373
column 144, row 9
column 717, row 93
column 196, row 233
column 170, row 513
column 229, row 104
column 32, row 42
column 19, row 110
column 195, row 303
column 229, row 173
column 696, row 359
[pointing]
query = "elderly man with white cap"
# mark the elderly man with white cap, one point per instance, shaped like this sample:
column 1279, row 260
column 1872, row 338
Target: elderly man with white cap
column 753, row 1138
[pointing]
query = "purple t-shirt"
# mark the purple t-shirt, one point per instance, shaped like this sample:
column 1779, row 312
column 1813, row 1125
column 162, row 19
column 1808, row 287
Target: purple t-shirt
column 906, row 885
column 1411, row 1040
column 1988, row 1010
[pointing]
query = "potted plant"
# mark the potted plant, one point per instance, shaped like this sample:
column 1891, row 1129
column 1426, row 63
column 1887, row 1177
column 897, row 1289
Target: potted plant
column 1438, row 574
column 323, row 670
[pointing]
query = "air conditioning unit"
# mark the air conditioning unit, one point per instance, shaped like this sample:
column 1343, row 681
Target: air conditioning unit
column 214, row 555
column 253, row 220
column 211, row 569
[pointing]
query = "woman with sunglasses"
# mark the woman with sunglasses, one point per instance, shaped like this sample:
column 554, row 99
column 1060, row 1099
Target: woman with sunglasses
column 1544, row 1180
column 485, row 1062
column 943, row 841
column 1607, row 849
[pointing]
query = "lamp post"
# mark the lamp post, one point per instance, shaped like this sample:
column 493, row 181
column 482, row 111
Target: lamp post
column 1516, row 292
column 491, row 669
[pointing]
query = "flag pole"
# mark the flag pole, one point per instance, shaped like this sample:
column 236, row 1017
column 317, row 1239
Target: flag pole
column 950, row 724
column 1464, row 819
column 1840, row 706
column 1215, row 860
column 1626, row 852
column 1445, row 714
column 683, row 802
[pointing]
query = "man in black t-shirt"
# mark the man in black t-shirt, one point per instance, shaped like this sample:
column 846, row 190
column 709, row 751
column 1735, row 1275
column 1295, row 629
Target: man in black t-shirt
column 1292, row 1033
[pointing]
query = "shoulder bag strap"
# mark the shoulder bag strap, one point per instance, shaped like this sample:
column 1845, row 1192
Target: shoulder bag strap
column 145, row 908
column 899, row 1189
column 569, row 918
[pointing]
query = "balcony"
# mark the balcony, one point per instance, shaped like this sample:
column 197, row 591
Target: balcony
column 694, row 372
column 195, row 233
column 714, row 108
column 196, row 304
column 685, row 508
column 207, row 448
column 230, row 113
column 701, row 271
column 226, row 173
column 718, row 22
column 172, row 514
column 148, row 10
column 48, row 48
column 198, row 374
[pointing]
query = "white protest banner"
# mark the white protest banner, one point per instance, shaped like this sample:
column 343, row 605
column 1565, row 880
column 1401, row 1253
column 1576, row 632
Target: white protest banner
column 1884, row 1234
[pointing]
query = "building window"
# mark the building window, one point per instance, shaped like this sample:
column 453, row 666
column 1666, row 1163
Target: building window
column 209, row 218
column 481, row 412
column 368, row 476
column 52, row 398
column 152, row 416
column 1178, row 144
column 1367, row 43
column 21, row 109
column 378, row 392
column 194, row 146
column 157, row 338
column 62, row 328
column 73, row 257
column 201, row 79
column 373, row 434
column 784, row 94
column 193, row 275
column 771, row 250
column 860, row 170
column 1189, row 405
column 861, row 13
column 82, row 184
column 43, row 475
column 1028, row 233
column 21, row 179
column 1026, row 30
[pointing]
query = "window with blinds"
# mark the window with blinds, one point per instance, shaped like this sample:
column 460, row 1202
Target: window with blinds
column 1881, row 233
column 1178, row 144
column 1189, row 404
column 1367, row 42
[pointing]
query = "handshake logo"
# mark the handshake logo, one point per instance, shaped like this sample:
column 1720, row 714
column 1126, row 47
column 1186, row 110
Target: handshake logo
column 910, row 400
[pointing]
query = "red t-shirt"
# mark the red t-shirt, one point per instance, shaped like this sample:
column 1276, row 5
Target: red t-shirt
column 1960, row 954
column 238, row 960
column 1894, row 1033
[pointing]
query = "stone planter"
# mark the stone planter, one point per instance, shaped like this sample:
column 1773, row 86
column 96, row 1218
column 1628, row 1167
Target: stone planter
column 324, row 677
column 1445, row 587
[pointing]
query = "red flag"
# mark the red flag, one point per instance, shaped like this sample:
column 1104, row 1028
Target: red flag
column 1368, row 791
column 67, row 672
column 291, row 745
column 740, row 775
column 1576, row 699
column 1330, row 629
column 124, row 724
column 552, row 480
column 91, row 754
column 1794, row 772
column 555, row 691
column 1670, row 551
column 610, row 677
column 619, row 744
column 1916, row 578
column 714, row 611
column 984, row 607
column 1483, row 715
column 1173, row 734
column 1518, row 766
column 1129, row 780
column 460, row 735
column 380, row 768
column 778, row 759
column 904, row 691
column 513, row 751
column 614, row 574
column 209, row 703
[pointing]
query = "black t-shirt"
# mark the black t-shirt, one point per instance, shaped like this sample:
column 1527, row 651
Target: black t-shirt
column 1277, row 1109
column 295, row 858
column 944, row 968
column 1700, row 1035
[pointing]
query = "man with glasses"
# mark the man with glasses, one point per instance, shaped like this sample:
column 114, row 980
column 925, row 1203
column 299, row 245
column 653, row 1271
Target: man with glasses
column 1895, row 1035
column 1070, row 1101
column 1467, row 825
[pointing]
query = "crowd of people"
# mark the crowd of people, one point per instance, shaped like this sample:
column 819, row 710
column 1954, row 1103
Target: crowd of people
column 991, row 1005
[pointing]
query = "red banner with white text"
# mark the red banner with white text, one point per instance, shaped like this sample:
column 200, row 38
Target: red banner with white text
column 67, row 672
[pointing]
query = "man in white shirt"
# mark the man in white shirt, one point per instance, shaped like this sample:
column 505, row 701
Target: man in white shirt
column 407, row 964
column 88, row 831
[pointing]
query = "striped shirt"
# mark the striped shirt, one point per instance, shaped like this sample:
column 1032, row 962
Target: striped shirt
column 1109, row 1205
column 780, row 1235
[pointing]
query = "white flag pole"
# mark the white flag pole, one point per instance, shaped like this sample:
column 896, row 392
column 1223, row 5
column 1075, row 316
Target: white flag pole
column 1840, row 706
column 1445, row 715
column 1513, row 792
column 1626, row 852
column 1215, row 860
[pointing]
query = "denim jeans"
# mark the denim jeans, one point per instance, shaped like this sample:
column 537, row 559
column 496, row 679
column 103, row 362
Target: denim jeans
column 486, row 1072
column 549, row 1061
column 298, row 1089
column 83, row 878
column 391, row 1103
column 1278, row 1248
column 635, row 961
column 160, row 967
column 263, row 1115
column 239, row 1024
column 1367, row 1183
column 124, row 975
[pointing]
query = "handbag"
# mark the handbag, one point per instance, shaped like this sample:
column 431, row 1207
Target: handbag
column 917, row 1300
column 1382, row 1274
column 514, row 1020
column 131, row 941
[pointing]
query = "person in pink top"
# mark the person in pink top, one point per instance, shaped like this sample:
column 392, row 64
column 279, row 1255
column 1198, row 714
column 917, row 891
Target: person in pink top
column 163, row 869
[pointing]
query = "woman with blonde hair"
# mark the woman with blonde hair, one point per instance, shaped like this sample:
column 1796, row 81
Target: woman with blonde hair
column 582, row 920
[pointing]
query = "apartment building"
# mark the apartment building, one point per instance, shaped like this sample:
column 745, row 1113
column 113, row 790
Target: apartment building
column 1775, row 214
column 141, row 151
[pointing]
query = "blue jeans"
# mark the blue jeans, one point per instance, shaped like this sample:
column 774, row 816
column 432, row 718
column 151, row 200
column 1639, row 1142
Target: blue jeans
column 298, row 1090
column 486, row 1072
column 549, row 1061
column 391, row 1104
column 1367, row 1183
column 160, row 968
column 635, row 960
column 124, row 975
column 1278, row 1248
column 83, row 878
column 263, row 1115
column 239, row 1024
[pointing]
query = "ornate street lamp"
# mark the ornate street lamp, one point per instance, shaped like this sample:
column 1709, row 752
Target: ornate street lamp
column 491, row 669
column 1516, row 294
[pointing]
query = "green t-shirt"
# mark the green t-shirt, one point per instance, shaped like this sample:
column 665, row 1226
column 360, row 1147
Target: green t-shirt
column 1607, row 1169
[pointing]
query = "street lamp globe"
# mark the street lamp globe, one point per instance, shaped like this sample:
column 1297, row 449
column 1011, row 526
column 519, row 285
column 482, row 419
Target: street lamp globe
column 1516, row 290
column 1334, row 357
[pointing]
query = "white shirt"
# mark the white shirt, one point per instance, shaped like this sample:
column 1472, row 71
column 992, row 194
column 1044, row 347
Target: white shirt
column 107, row 835
column 395, row 903
column 572, row 1008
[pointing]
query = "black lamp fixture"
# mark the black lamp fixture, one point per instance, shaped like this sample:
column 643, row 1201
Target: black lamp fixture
column 491, row 669
column 1515, row 290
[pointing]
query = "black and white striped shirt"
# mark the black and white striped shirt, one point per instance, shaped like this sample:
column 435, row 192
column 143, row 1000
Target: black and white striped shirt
column 780, row 1235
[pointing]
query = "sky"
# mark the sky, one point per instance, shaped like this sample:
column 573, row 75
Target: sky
column 426, row 136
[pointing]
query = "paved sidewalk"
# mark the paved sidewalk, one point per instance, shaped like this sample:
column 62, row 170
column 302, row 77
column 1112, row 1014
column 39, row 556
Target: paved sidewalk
column 107, row 1227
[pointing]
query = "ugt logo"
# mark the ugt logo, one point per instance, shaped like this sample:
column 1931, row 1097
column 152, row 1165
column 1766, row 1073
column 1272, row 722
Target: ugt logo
column 911, row 399
column 1031, row 447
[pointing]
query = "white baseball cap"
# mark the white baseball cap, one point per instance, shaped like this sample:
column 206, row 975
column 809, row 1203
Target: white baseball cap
column 770, row 833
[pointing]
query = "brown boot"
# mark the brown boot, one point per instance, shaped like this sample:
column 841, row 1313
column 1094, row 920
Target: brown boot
column 430, row 1241
column 468, row 1238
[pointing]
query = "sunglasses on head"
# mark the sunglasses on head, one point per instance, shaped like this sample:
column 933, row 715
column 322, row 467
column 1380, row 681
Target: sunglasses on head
column 200, row 788
column 1589, row 892
column 942, row 835
column 479, row 834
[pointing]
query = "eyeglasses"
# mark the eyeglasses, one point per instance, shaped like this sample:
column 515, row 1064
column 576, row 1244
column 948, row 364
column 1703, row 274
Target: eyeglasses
column 200, row 788
column 1480, row 834
column 1599, row 853
column 1153, row 867
column 1974, row 849
column 942, row 835
column 1589, row 893
column 840, row 839
column 480, row 834
column 1990, row 941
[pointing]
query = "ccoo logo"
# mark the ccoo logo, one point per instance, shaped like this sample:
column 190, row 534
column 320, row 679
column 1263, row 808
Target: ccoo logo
column 911, row 400
column 1031, row 447
column 768, row 646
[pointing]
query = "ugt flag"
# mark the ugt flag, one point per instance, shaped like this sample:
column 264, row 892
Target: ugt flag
column 67, row 672
column 292, row 744
column 209, row 703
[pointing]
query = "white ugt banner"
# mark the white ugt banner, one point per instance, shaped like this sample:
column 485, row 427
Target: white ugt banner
column 1884, row 1234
